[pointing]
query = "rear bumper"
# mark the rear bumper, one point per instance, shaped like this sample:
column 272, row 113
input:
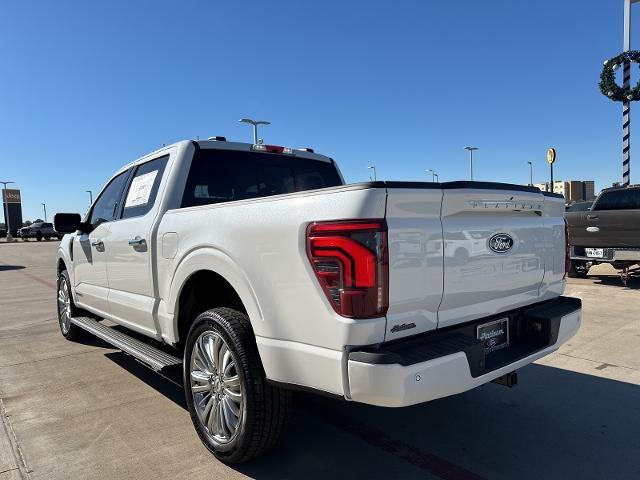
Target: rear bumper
column 446, row 363
column 610, row 255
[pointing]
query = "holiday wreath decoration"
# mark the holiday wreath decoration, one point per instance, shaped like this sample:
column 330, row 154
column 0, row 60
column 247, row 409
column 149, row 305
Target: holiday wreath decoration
column 608, row 85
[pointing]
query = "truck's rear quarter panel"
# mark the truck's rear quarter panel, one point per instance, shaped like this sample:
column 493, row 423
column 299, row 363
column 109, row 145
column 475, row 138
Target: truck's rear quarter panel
column 299, row 335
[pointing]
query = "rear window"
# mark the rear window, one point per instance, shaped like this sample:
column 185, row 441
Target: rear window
column 619, row 200
column 224, row 176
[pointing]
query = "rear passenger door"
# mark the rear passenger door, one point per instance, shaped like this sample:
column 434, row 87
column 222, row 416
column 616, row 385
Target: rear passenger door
column 130, row 249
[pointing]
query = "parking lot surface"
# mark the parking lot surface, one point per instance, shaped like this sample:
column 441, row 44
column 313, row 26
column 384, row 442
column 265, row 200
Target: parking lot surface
column 87, row 411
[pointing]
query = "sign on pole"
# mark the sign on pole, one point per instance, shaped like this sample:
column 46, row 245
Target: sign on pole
column 11, row 196
column 551, row 158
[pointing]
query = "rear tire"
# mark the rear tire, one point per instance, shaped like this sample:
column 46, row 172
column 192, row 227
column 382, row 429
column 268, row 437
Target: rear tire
column 67, row 309
column 579, row 269
column 236, row 413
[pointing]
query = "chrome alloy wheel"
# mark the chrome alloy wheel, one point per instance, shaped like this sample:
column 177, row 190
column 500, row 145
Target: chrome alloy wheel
column 64, row 306
column 215, row 387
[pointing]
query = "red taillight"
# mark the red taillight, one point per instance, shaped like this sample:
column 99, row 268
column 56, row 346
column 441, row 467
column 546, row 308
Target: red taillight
column 351, row 261
column 567, row 248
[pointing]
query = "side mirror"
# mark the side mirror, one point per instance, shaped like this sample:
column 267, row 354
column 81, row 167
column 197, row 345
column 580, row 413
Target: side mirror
column 67, row 222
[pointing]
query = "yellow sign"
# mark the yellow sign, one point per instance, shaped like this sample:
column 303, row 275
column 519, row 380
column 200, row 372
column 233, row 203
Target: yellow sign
column 551, row 156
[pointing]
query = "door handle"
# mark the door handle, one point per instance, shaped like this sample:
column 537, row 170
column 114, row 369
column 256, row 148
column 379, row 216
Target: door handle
column 137, row 242
column 592, row 217
column 97, row 244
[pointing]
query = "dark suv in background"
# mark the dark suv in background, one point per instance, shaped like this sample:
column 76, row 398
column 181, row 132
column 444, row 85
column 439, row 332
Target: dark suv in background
column 39, row 231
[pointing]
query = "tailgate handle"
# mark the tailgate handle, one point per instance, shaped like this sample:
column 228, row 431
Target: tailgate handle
column 592, row 217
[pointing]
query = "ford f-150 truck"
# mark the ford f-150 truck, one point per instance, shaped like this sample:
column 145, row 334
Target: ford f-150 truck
column 262, row 272
column 608, row 232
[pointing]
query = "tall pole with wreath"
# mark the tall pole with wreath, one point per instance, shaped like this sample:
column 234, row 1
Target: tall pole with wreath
column 626, row 94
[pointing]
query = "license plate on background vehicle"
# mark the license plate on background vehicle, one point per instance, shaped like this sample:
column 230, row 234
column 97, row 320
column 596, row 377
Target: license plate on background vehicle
column 594, row 252
column 495, row 335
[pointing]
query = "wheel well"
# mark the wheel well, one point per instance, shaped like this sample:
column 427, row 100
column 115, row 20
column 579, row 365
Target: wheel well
column 202, row 291
column 61, row 266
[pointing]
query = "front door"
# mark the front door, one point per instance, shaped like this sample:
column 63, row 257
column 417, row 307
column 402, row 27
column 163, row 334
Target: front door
column 91, row 284
column 90, row 269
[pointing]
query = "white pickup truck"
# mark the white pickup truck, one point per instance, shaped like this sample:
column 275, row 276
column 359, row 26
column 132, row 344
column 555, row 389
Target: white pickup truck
column 261, row 272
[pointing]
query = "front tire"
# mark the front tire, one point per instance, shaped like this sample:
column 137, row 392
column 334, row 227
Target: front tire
column 236, row 413
column 39, row 236
column 67, row 309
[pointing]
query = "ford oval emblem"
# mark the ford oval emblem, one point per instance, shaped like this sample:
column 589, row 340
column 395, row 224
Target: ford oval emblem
column 501, row 243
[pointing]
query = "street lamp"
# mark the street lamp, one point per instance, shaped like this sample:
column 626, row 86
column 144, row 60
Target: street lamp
column 44, row 205
column 433, row 174
column 530, row 174
column 90, row 196
column 470, row 150
column 255, row 124
column 437, row 177
column 373, row 167
column 6, row 216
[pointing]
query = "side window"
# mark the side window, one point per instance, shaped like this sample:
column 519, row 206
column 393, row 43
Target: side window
column 106, row 207
column 143, row 188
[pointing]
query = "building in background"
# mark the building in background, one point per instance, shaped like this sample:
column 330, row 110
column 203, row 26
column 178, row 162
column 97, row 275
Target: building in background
column 571, row 190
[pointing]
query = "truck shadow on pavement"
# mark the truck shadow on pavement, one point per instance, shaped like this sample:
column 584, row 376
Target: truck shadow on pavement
column 633, row 282
column 554, row 424
column 6, row 268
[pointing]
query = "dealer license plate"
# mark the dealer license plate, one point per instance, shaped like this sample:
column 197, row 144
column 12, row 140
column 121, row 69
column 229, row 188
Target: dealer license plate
column 495, row 335
column 594, row 252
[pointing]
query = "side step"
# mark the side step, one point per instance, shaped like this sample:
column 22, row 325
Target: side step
column 150, row 356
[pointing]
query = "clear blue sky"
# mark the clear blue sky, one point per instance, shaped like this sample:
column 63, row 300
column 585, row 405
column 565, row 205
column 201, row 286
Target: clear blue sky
column 88, row 86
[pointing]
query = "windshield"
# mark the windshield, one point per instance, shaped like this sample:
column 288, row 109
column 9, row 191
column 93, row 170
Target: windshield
column 227, row 175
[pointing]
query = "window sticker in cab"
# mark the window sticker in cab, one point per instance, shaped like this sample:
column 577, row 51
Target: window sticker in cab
column 140, row 189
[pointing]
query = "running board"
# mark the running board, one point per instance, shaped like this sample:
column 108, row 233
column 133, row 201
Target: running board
column 150, row 356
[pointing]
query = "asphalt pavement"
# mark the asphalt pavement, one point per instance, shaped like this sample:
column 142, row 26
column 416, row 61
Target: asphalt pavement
column 87, row 411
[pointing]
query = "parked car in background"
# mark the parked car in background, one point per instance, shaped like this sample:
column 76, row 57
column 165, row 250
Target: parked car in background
column 262, row 272
column 609, row 232
column 39, row 231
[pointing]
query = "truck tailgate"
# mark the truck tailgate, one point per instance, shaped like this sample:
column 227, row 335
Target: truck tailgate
column 461, row 251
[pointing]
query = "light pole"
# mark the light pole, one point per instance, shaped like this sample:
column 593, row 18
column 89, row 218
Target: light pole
column 626, row 106
column 44, row 206
column 470, row 150
column 6, row 216
column 90, row 196
column 530, row 174
column 437, row 177
column 373, row 167
column 255, row 124
column 433, row 174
